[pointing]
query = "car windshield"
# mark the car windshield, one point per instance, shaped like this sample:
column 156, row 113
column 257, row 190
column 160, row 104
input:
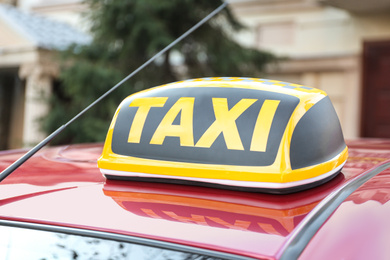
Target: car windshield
column 22, row 243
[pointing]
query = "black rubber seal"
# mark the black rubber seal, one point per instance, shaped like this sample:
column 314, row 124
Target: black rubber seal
column 221, row 186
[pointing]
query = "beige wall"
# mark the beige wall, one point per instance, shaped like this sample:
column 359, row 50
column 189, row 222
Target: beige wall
column 36, row 68
column 68, row 11
column 337, row 75
column 10, row 38
column 322, row 44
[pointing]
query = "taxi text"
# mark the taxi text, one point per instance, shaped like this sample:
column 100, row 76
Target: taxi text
column 225, row 122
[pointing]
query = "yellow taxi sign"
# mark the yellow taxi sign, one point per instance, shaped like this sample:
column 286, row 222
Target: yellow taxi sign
column 229, row 132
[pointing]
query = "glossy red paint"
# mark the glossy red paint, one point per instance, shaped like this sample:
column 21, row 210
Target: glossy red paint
column 360, row 227
column 63, row 186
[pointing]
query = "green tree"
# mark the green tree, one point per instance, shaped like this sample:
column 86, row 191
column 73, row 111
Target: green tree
column 125, row 34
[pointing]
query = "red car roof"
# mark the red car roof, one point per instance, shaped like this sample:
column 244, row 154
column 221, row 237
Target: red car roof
column 63, row 186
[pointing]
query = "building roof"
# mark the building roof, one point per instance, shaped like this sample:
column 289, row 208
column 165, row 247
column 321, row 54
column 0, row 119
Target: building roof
column 43, row 32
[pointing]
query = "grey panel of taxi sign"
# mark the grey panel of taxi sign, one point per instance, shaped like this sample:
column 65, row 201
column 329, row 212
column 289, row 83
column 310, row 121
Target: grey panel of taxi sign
column 220, row 149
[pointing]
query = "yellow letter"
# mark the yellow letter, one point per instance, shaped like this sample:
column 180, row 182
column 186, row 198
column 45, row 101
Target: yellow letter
column 184, row 130
column 263, row 125
column 144, row 105
column 225, row 122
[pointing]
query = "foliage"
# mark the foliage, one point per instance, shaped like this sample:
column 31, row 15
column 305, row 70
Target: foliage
column 126, row 34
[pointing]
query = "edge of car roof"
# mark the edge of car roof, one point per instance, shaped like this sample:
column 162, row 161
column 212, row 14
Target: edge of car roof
column 309, row 226
column 123, row 238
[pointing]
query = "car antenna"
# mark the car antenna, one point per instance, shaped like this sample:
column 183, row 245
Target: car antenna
column 45, row 141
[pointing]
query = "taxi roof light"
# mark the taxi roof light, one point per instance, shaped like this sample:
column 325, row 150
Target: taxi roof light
column 241, row 133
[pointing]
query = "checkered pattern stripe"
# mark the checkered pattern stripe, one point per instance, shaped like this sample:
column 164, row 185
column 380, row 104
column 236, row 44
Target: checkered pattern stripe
column 264, row 81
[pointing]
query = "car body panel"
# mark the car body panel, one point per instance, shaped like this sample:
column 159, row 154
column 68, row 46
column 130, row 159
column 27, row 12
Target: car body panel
column 359, row 228
column 63, row 186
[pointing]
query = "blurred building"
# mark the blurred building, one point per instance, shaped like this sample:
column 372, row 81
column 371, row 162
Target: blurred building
column 340, row 46
column 29, row 42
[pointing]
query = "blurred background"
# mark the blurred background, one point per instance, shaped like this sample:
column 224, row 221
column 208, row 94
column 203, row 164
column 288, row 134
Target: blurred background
column 57, row 56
